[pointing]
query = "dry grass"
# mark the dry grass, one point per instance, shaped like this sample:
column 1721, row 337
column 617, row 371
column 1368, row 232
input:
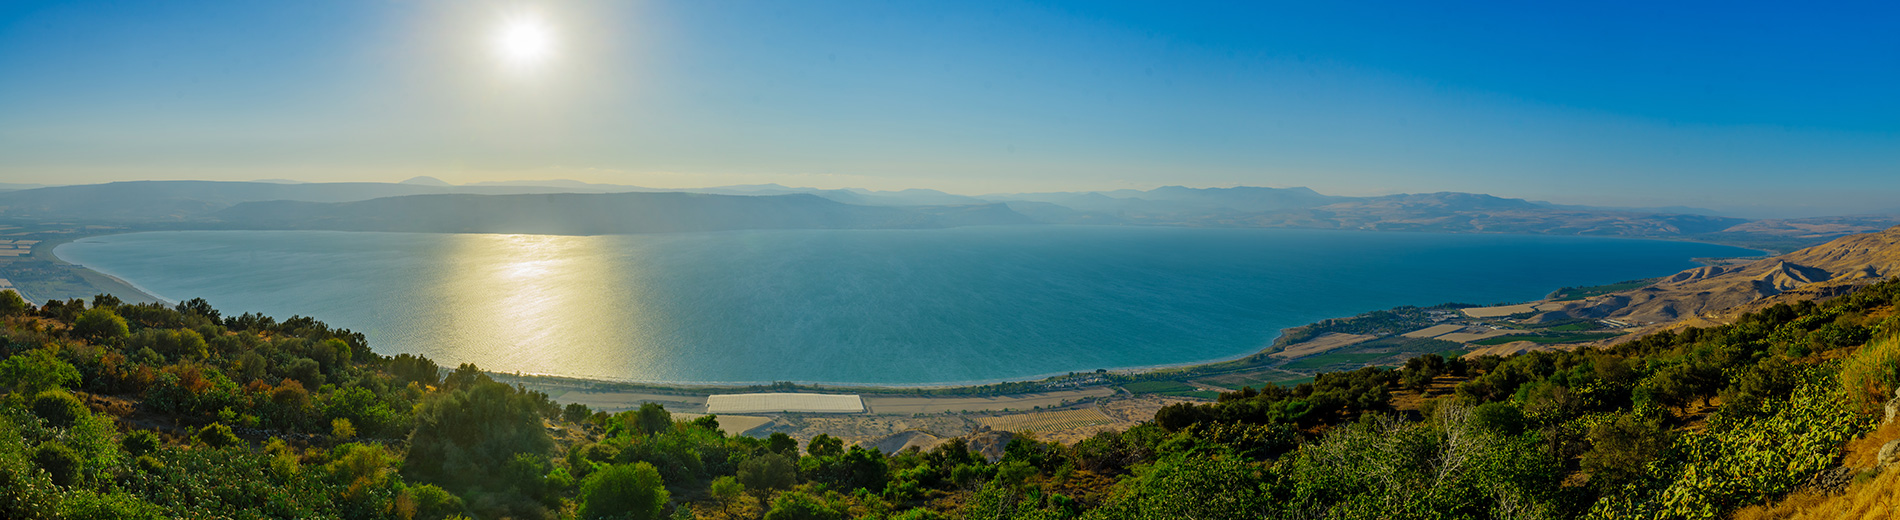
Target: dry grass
column 1877, row 498
column 1864, row 452
column 1869, row 376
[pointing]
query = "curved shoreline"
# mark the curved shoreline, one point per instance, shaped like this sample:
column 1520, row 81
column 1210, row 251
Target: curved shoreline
column 49, row 250
column 897, row 388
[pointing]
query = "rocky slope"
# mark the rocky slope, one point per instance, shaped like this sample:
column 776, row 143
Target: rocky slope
column 1716, row 294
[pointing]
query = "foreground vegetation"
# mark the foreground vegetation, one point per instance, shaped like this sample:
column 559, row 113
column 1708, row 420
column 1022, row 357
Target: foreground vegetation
column 147, row 411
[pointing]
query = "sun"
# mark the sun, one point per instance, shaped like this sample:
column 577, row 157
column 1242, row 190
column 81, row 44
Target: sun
column 524, row 41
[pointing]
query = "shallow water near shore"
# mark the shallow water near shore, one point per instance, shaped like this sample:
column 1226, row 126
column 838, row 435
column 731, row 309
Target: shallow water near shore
column 892, row 307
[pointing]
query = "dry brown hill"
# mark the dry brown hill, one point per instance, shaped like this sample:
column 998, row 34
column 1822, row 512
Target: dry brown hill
column 1716, row 294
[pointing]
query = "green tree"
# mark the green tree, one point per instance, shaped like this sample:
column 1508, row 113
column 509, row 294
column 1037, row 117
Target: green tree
column 632, row 491
column 1621, row 447
column 728, row 491
column 99, row 324
column 11, row 304
column 36, row 371
column 651, row 418
column 464, row 437
column 574, row 413
column 59, row 408
column 768, row 472
column 782, row 444
column 825, row 446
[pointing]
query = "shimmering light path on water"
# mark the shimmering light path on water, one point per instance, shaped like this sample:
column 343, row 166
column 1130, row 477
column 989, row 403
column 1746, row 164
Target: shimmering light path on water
column 861, row 306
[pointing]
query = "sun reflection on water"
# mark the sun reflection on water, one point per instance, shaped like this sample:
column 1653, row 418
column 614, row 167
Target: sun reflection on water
column 540, row 301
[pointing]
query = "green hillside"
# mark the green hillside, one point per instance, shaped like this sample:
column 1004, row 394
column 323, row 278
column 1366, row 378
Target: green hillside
column 117, row 410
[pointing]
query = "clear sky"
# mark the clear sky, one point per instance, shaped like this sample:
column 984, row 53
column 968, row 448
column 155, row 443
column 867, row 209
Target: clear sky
column 1757, row 108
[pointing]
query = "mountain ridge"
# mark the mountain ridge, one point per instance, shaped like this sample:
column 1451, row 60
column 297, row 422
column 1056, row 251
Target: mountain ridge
column 198, row 204
column 600, row 213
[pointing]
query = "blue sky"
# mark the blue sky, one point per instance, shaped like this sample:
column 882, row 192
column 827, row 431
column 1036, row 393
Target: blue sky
column 1759, row 109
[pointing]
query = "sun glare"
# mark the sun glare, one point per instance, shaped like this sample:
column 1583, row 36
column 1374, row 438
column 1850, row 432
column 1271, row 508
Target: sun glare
column 524, row 41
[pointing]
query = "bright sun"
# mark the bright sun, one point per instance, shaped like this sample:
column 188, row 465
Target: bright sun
column 524, row 41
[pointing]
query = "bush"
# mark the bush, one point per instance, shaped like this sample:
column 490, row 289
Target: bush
column 59, row 461
column 216, row 435
column 340, row 429
column 140, row 442
column 434, row 502
column 632, row 491
column 801, row 506
column 99, row 324
column 59, row 408
column 87, row 505
column 36, row 371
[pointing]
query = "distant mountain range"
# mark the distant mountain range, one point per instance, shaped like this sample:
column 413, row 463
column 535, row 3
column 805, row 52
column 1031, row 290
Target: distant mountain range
column 601, row 214
column 281, row 205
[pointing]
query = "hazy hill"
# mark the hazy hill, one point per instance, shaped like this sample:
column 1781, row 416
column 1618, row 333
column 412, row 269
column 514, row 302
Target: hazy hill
column 1718, row 293
column 1466, row 212
column 186, row 200
column 600, row 213
column 195, row 203
column 1178, row 200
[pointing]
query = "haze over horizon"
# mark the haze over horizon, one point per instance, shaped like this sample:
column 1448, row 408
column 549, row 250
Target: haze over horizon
column 1757, row 112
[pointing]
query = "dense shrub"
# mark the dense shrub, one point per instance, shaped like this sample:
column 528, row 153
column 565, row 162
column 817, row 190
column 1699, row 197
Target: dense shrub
column 58, row 408
column 632, row 491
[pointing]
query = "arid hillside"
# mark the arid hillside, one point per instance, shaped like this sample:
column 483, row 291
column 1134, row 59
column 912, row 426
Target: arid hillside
column 1717, row 294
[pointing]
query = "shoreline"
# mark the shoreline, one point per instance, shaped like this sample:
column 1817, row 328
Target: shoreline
column 45, row 251
column 52, row 254
column 952, row 388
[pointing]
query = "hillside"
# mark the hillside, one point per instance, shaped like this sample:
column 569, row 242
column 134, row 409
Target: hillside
column 144, row 411
column 1719, row 293
column 600, row 213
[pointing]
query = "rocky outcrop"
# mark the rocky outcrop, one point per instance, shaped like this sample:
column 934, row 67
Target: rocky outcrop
column 990, row 443
column 901, row 441
column 1719, row 293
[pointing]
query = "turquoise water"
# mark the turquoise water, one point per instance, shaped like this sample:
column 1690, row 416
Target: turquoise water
column 856, row 306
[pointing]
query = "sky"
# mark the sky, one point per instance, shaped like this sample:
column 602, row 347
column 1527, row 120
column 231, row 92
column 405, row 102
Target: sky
column 1751, row 108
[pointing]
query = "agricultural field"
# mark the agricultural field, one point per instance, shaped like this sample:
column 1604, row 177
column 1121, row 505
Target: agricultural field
column 783, row 402
column 1545, row 339
column 1396, row 349
column 1173, row 388
column 1256, row 379
column 1056, row 421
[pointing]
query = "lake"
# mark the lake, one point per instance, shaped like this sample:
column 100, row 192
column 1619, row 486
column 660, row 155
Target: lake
column 853, row 306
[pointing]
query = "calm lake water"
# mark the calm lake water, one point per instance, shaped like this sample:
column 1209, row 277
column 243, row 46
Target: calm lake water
column 858, row 306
